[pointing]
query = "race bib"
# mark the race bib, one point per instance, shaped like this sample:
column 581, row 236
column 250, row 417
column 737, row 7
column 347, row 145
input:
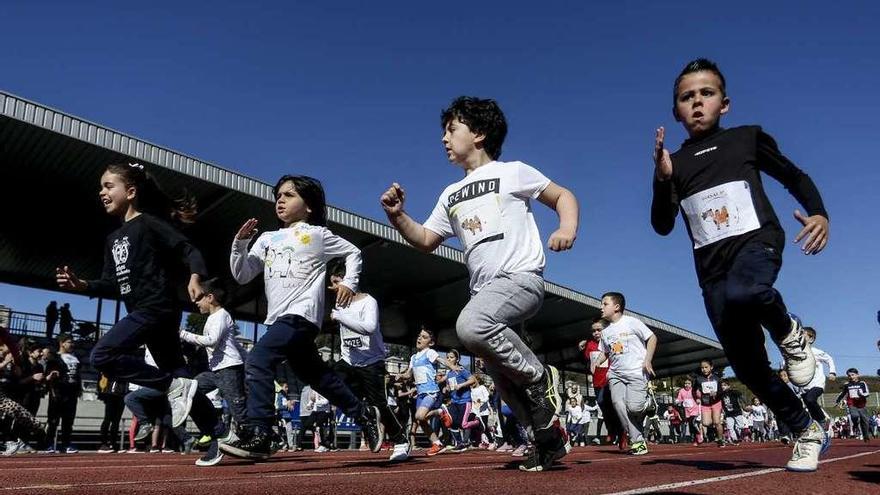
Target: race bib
column 477, row 219
column 420, row 375
column 853, row 393
column 595, row 357
column 453, row 382
column 709, row 388
column 688, row 403
column 353, row 340
column 720, row 212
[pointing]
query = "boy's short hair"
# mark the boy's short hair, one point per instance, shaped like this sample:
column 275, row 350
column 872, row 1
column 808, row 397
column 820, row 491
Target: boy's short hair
column 616, row 298
column 699, row 65
column 810, row 331
column 214, row 287
column 852, row 370
column 337, row 269
column 482, row 116
column 64, row 337
column 725, row 382
column 429, row 332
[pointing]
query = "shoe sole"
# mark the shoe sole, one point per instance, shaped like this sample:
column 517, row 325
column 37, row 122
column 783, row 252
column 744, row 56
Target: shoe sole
column 187, row 403
column 381, row 430
column 212, row 462
column 139, row 438
column 243, row 454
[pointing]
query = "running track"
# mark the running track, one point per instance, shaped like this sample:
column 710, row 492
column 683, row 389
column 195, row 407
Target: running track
column 848, row 467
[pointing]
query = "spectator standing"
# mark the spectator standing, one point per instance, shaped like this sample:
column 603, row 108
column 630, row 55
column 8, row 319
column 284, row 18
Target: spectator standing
column 65, row 319
column 51, row 318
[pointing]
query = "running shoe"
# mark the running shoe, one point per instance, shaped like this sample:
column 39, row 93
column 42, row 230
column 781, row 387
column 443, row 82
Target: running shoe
column 180, row 396
column 321, row 449
column 639, row 448
column 106, row 449
column 372, row 428
column 212, row 457
column 807, row 448
column 144, row 430
column 252, row 444
column 506, row 447
column 206, row 440
column 435, row 449
column 542, row 459
column 798, row 354
column 71, row 450
column 785, row 439
column 458, row 449
column 12, row 447
column 400, row 452
column 544, row 401
column 520, row 451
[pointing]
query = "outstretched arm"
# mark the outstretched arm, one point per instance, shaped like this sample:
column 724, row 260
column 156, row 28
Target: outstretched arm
column 413, row 232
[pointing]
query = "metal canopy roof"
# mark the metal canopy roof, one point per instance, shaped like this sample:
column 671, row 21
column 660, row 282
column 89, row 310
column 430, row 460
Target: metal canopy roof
column 50, row 163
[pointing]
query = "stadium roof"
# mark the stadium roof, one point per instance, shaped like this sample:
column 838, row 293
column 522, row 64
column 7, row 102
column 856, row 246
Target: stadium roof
column 50, row 163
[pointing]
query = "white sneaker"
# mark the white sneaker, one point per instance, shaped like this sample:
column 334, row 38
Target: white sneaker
column 400, row 452
column 322, row 449
column 180, row 396
column 809, row 445
column 12, row 447
column 798, row 354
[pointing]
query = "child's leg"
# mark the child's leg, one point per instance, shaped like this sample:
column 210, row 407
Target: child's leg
column 484, row 327
column 116, row 354
column 706, row 420
column 718, row 421
column 230, row 381
column 738, row 306
column 618, row 394
column 612, row 423
column 811, row 400
column 636, row 405
column 17, row 423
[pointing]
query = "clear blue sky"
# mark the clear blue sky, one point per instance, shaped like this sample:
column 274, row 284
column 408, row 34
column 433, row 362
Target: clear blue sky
column 351, row 92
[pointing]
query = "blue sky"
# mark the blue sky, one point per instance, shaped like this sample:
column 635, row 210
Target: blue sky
column 350, row 92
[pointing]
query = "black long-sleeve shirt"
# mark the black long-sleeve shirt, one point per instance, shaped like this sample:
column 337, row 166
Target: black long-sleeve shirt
column 855, row 393
column 140, row 261
column 716, row 183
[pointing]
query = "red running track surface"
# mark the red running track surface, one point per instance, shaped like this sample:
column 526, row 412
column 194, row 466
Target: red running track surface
column 849, row 467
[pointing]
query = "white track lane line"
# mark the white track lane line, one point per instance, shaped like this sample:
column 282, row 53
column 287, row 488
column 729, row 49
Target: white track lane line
column 684, row 484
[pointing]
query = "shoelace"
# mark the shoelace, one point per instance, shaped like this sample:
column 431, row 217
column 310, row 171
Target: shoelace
column 794, row 349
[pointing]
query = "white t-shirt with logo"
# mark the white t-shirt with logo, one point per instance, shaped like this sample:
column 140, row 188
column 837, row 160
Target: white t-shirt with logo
column 360, row 340
column 625, row 343
column 491, row 214
column 294, row 265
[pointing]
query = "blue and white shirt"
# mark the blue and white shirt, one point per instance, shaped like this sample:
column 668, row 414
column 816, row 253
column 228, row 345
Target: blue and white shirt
column 423, row 371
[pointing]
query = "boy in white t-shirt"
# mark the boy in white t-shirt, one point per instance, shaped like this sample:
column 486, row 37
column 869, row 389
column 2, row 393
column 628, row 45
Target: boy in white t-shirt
column 490, row 212
column 629, row 345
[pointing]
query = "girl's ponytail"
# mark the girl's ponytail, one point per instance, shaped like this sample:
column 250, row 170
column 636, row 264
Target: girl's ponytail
column 151, row 198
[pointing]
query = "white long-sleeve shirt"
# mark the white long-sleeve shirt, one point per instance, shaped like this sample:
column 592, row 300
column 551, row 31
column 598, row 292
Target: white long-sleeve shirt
column 218, row 338
column 361, row 342
column 293, row 261
column 819, row 377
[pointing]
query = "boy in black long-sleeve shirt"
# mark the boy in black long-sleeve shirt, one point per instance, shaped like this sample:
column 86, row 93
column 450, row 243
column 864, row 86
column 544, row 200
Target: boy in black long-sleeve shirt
column 856, row 393
column 714, row 179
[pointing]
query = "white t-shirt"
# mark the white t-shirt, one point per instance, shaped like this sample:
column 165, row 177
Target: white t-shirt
column 360, row 340
column 625, row 343
column 423, row 370
column 491, row 214
column 306, row 406
column 759, row 413
column 294, row 265
column 819, row 376
column 218, row 339
column 321, row 404
column 480, row 400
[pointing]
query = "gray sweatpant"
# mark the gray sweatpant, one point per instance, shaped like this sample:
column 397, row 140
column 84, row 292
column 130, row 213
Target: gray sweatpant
column 484, row 328
column 629, row 396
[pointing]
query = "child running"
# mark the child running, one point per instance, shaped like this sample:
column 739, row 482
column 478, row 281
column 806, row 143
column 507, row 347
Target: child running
column 691, row 407
column 225, row 354
column 459, row 381
column 714, row 179
column 489, row 211
column 139, row 262
column 592, row 354
column 293, row 260
column 708, row 392
column 422, row 371
column 733, row 406
column 854, row 395
column 363, row 358
column 814, row 390
column 629, row 345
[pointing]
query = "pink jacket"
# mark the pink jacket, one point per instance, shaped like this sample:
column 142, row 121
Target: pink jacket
column 685, row 398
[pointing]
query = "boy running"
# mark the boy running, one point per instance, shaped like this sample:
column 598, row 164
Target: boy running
column 714, row 179
column 813, row 390
column 489, row 210
column 629, row 345
column 854, row 395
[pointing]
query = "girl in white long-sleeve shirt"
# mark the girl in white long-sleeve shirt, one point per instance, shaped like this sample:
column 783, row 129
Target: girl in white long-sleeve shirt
column 293, row 261
column 813, row 390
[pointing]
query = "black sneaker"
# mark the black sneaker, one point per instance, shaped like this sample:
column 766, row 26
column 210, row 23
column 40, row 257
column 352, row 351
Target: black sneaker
column 212, row 457
column 253, row 444
column 544, row 401
column 372, row 428
column 144, row 430
column 542, row 459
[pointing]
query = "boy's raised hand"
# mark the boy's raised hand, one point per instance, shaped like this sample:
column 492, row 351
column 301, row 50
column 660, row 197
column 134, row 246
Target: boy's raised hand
column 247, row 230
column 392, row 200
column 815, row 230
column 66, row 279
column 662, row 160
